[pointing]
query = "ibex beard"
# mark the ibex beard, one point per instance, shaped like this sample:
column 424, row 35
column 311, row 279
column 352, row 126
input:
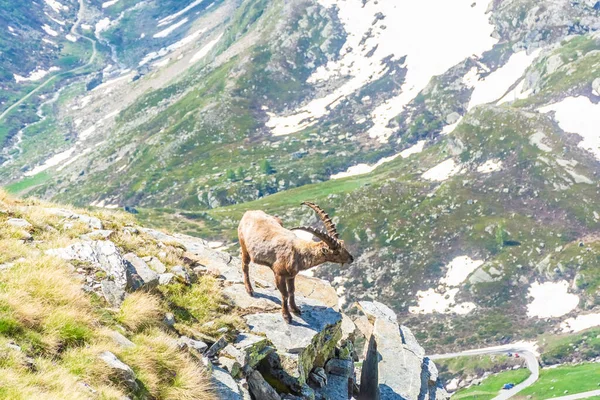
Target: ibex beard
column 264, row 241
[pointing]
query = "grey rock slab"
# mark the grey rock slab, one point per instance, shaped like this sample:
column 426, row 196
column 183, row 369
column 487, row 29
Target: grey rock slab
column 299, row 334
column 337, row 388
column 120, row 339
column 19, row 223
column 101, row 253
column 165, row 279
column 217, row 347
column 375, row 309
column 307, row 342
column 181, row 274
column 225, row 387
column 249, row 349
column 140, row 275
column 340, row 367
column 102, row 234
column 112, row 293
column 264, row 299
column 231, row 365
column 92, row 222
column 399, row 367
column 259, row 388
column 596, row 86
column 408, row 338
column 155, row 264
column 119, row 369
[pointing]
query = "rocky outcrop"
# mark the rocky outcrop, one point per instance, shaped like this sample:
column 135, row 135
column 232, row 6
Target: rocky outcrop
column 313, row 357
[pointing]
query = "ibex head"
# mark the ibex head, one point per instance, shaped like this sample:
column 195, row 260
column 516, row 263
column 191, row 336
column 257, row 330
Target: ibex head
column 333, row 248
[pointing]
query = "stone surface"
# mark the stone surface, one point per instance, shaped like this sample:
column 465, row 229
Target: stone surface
column 248, row 349
column 369, row 378
column 181, row 274
column 196, row 346
column 340, row 367
column 264, row 299
column 225, row 387
column 307, row 342
column 119, row 370
column 399, row 367
column 155, row 264
column 375, row 309
column 337, row 388
column 101, row 234
column 139, row 274
column 113, row 294
column 120, row 339
column 259, row 388
column 596, row 86
column 165, row 279
column 318, row 377
column 231, row 365
column 217, row 347
column 92, row 222
column 19, row 223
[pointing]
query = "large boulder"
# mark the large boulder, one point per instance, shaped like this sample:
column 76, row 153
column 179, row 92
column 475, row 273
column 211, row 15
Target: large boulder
column 120, row 372
column 139, row 274
column 308, row 342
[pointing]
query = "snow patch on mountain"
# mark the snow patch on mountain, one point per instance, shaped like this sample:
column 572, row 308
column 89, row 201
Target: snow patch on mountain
column 205, row 50
column 551, row 299
column 362, row 169
column 49, row 30
column 35, row 75
column 166, row 32
column 56, row 6
column 495, row 86
column 107, row 4
column 579, row 115
column 466, row 31
column 580, row 323
column 167, row 20
column 443, row 171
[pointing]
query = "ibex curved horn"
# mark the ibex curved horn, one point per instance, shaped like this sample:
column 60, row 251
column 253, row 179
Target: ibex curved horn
column 325, row 218
column 332, row 242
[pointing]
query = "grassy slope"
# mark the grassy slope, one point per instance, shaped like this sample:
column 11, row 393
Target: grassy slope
column 492, row 385
column 563, row 380
column 61, row 329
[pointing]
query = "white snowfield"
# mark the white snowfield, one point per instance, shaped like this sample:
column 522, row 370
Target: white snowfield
column 35, row 75
column 496, row 85
column 49, row 30
column 490, row 166
column 551, row 299
column 579, row 115
column 166, row 50
column 167, row 20
column 443, row 171
column 107, row 4
column 361, row 169
column 56, row 6
column 443, row 299
column 205, row 50
column 466, row 32
column 166, row 32
column 580, row 323
column 51, row 162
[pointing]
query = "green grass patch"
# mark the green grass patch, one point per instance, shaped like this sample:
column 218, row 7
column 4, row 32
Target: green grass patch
column 560, row 381
column 27, row 183
column 491, row 386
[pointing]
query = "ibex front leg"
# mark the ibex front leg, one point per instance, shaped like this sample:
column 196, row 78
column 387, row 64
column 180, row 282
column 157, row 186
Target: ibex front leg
column 291, row 287
column 280, row 281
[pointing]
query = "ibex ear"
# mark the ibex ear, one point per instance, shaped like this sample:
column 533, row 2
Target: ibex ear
column 325, row 250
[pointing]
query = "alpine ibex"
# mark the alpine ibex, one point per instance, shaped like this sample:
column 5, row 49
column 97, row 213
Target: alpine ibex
column 265, row 241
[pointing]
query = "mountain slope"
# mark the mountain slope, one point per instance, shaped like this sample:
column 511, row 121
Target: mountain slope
column 461, row 166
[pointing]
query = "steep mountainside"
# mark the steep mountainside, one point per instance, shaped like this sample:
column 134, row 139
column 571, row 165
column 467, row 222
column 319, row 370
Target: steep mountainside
column 454, row 143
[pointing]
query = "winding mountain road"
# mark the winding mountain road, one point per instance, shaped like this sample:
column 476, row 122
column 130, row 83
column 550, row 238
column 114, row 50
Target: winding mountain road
column 80, row 15
column 524, row 350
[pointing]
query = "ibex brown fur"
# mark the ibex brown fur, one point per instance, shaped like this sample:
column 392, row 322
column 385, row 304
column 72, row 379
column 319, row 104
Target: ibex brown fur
column 265, row 241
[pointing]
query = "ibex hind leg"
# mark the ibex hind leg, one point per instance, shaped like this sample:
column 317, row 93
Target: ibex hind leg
column 246, row 268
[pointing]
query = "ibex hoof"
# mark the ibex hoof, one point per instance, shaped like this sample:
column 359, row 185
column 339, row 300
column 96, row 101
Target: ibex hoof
column 297, row 311
column 250, row 292
column 287, row 318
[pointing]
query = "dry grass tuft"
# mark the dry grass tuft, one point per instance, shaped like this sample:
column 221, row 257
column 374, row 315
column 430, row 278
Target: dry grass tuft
column 165, row 371
column 140, row 311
